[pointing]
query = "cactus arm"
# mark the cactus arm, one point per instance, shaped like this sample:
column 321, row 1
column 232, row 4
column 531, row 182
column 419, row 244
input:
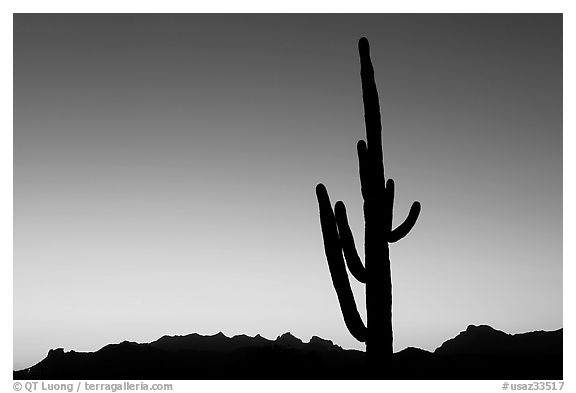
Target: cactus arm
column 371, row 113
column 390, row 187
column 337, row 267
column 363, row 167
column 347, row 241
column 388, row 204
column 403, row 229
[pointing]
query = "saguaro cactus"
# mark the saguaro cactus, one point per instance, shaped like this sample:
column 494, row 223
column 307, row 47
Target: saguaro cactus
column 378, row 195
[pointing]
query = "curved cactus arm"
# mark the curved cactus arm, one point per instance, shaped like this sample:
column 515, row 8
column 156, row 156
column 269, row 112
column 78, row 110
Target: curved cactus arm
column 337, row 267
column 347, row 241
column 403, row 229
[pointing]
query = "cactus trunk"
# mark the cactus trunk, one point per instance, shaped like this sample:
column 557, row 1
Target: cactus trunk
column 378, row 305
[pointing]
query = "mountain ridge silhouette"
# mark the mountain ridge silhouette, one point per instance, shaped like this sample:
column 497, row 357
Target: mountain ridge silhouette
column 479, row 352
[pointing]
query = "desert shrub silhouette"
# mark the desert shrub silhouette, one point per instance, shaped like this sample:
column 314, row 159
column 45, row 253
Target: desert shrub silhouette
column 378, row 196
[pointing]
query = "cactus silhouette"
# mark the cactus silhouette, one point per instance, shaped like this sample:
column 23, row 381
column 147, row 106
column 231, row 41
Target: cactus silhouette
column 378, row 196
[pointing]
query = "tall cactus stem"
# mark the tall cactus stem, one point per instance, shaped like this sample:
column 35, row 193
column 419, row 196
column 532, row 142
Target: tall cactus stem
column 378, row 196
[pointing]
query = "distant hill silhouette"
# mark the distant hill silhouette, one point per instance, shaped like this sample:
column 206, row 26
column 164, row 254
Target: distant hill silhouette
column 479, row 352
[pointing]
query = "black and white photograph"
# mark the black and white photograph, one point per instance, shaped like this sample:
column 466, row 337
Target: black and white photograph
column 288, row 196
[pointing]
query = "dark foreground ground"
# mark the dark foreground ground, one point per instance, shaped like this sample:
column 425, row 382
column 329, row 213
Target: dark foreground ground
column 480, row 352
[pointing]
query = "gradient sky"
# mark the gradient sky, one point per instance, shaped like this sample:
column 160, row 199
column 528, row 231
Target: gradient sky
column 165, row 165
